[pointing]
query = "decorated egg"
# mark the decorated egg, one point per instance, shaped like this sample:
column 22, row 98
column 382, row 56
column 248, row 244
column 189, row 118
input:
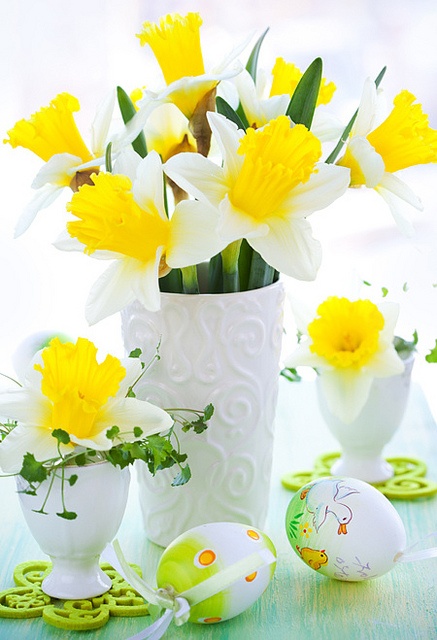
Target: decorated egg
column 212, row 549
column 345, row 529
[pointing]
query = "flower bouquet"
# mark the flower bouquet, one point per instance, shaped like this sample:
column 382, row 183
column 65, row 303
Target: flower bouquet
column 206, row 186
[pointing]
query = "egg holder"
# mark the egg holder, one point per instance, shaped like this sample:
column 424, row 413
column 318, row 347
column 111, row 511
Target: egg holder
column 408, row 483
column 28, row 600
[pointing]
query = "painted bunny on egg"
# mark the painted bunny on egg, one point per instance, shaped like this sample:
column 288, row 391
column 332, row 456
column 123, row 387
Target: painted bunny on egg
column 327, row 496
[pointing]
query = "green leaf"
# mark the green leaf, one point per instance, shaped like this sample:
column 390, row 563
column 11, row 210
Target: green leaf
column 345, row 135
column 405, row 347
column 108, row 158
column 215, row 274
column 138, row 432
column 112, row 432
column 128, row 111
column 172, row 282
column 72, row 480
column 366, row 283
column 261, row 273
column 384, row 291
column 183, row 476
column 135, row 353
column 252, row 63
column 61, row 436
column 208, row 412
column 81, row 460
column 32, row 470
column 432, row 355
column 291, row 374
column 303, row 101
column 226, row 110
column 67, row 515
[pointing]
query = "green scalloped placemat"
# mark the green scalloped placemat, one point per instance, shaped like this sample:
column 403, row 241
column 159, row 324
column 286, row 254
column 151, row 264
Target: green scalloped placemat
column 27, row 600
column 408, row 482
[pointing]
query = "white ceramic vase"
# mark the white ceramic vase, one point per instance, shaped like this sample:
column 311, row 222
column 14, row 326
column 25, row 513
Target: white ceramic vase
column 362, row 441
column 99, row 498
column 222, row 349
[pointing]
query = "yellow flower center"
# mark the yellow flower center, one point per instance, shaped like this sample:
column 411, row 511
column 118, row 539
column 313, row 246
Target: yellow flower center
column 77, row 386
column 176, row 45
column 111, row 220
column 405, row 138
column 51, row 130
column 277, row 158
column 346, row 333
column 286, row 77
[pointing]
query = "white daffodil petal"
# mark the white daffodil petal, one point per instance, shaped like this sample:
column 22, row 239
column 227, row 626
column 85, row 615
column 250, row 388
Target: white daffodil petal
column 131, row 412
column 290, row 247
column 194, row 234
column 57, row 170
column 390, row 312
column 395, row 185
column 135, row 125
column 144, row 283
column 369, row 161
column 236, row 224
column 346, row 392
column 26, row 439
column 148, row 189
column 302, row 356
column 365, row 120
column 24, row 405
column 198, row 176
column 228, row 138
column 326, row 126
column 101, row 124
column 127, row 162
column 41, row 200
column 385, row 363
column 111, row 291
column 133, row 369
column 322, row 189
column 399, row 210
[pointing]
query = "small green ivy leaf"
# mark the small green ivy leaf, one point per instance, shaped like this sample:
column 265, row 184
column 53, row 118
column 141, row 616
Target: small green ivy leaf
column 384, row 291
column 72, row 480
column 61, row 436
column 67, row 515
column 291, row 374
column 432, row 355
column 32, row 470
column 112, row 433
column 135, row 353
column 183, row 476
column 138, row 432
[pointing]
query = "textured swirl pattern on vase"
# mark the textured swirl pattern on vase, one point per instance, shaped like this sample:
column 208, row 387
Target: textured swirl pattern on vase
column 222, row 349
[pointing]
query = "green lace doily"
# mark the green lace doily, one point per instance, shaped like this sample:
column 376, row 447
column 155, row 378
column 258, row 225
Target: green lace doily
column 27, row 600
column 408, row 482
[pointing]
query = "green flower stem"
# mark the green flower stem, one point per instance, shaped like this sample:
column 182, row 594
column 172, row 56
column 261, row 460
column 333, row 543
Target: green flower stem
column 230, row 256
column 190, row 283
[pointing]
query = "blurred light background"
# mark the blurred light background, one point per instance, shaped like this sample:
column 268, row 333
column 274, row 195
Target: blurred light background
column 86, row 48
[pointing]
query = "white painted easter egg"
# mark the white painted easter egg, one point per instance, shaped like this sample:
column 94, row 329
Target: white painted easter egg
column 345, row 529
column 207, row 550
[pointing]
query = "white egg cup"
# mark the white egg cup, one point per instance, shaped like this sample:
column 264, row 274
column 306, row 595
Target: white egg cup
column 362, row 441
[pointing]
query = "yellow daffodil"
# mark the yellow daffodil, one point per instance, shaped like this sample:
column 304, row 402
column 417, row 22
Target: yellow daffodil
column 262, row 104
column 126, row 220
column 376, row 152
column 286, row 77
column 51, row 133
column 350, row 343
column 175, row 42
column 270, row 181
column 69, row 389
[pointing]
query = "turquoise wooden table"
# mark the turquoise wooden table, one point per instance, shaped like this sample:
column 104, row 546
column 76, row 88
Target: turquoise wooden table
column 299, row 603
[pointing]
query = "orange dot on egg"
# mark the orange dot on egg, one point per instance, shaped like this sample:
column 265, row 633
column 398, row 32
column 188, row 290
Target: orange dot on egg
column 211, row 620
column 206, row 557
column 251, row 577
column 253, row 534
